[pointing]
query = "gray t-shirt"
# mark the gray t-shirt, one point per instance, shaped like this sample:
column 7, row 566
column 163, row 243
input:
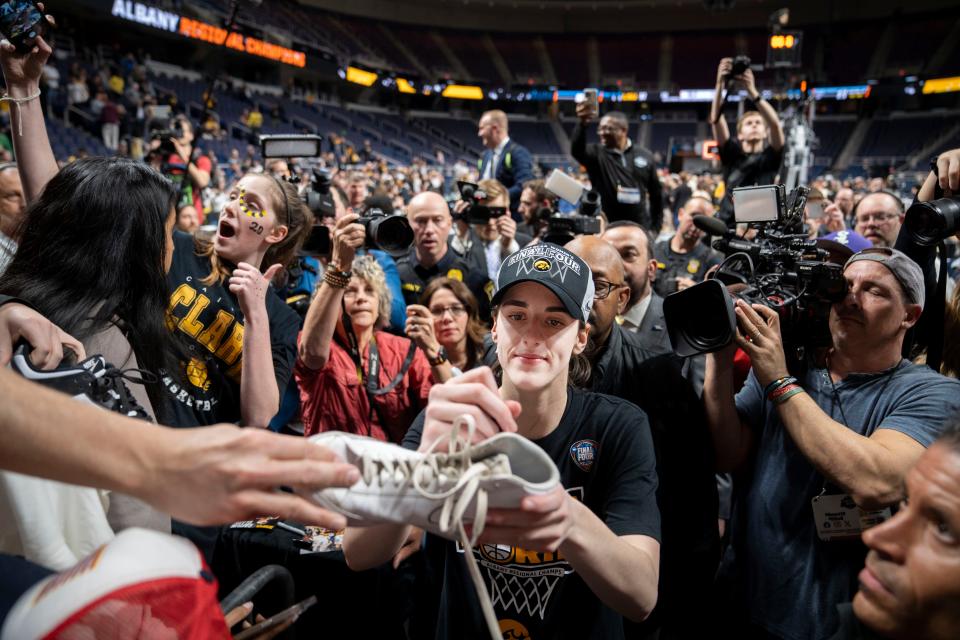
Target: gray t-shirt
column 786, row 579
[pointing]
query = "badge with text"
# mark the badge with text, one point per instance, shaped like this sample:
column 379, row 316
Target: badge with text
column 628, row 195
column 584, row 453
column 838, row 517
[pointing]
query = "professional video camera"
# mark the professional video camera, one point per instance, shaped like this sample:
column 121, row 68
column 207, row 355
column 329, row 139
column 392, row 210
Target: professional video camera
column 166, row 128
column 320, row 202
column 780, row 268
column 562, row 228
column 476, row 211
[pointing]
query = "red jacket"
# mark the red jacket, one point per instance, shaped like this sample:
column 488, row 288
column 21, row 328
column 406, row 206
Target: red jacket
column 334, row 399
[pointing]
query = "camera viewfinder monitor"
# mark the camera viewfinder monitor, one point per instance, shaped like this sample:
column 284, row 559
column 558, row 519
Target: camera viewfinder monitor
column 290, row 146
column 757, row 204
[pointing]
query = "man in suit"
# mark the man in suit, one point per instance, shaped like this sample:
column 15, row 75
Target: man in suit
column 644, row 313
column 504, row 160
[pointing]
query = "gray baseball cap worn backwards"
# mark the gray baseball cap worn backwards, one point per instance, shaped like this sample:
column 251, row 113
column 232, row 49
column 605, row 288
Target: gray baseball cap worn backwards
column 554, row 267
column 906, row 271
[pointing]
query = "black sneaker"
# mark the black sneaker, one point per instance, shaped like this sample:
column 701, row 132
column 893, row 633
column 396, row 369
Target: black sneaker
column 94, row 381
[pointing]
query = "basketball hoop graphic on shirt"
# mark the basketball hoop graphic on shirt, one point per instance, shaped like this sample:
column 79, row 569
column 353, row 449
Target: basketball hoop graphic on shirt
column 522, row 581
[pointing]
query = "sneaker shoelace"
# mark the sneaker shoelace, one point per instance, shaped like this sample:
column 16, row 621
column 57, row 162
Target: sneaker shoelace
column 110, row 387
column 437, row 468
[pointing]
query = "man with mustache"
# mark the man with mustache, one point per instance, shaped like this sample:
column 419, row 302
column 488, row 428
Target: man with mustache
column 910, row 586
column 823, row 454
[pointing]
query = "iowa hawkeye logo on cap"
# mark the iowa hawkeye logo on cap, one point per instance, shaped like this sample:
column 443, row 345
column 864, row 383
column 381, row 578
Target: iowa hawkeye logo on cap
column 542, row 265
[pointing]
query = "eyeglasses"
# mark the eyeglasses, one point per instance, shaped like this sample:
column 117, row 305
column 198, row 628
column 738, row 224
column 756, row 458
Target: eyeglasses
column 602, row 289
column 456, row 310
column 876, row 217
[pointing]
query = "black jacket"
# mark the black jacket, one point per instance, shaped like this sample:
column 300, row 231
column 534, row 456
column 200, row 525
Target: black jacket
column 634, row 168
column 687, row 493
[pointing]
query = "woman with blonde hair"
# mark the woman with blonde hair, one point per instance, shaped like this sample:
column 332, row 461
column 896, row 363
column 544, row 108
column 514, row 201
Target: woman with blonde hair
column 353, row 375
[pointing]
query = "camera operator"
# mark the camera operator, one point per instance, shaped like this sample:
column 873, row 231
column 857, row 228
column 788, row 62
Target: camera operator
column 488, row 244
column 682, row 259
column 537, row 203
column 812, row 450
column 346, row 361
column 687, row 493
column 623, row 173
column 192, row 175
column 748, row 160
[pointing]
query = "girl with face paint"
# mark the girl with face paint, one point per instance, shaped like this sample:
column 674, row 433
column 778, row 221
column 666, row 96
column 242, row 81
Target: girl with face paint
column 232, row 342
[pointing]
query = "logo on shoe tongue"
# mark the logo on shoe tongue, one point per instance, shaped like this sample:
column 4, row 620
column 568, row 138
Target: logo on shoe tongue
column 584, row 453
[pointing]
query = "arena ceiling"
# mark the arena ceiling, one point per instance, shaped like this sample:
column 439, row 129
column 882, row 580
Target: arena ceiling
column 586, row 16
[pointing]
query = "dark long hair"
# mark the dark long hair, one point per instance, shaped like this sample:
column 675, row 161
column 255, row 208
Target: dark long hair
column 92, row 250
column 475, row 328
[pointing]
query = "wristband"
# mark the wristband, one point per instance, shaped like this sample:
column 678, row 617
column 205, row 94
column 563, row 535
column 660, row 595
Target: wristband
column 788, row 393
column 337, row 279
column 17, row 102
column 779, row 382
column 440, row 358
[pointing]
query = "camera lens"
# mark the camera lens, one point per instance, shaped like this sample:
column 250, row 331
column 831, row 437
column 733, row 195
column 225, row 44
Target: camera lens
column 392, row 234
column 930, row 222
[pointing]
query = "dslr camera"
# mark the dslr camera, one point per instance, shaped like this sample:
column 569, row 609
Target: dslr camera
column 476, row 211
column 385, row 230
column 780, row 268
column 740, row 65
column 320, row 202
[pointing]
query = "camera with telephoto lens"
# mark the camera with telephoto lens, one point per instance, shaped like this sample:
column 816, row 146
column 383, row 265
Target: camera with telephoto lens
column 780, row 268
column 929, row 223
column 561, row 228
column 476, row 211
column 389, row 232
column 739, row 66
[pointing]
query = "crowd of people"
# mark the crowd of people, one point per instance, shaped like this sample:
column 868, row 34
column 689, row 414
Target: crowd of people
column 840, row 518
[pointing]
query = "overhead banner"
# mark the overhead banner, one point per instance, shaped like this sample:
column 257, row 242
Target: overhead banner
column 195, row 30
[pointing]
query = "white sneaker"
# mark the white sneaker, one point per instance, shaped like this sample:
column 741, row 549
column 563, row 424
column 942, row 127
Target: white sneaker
column 437, row 491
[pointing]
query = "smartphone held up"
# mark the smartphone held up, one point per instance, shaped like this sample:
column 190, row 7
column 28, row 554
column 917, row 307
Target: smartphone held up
column 22, row 22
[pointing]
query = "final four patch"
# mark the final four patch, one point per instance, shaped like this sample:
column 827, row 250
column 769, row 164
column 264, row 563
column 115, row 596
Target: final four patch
column 584, row 453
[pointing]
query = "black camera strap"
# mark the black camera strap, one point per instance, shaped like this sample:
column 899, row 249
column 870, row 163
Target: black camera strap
column 370, row 379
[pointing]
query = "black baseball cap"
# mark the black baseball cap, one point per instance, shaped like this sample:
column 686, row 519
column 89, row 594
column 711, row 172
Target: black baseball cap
column 554, row 267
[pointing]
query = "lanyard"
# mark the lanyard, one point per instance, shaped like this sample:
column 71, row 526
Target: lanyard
column 370, row 379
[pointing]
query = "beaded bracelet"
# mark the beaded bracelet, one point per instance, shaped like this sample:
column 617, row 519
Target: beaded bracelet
column 782, row 395
column 337, row 279
column 778, row 383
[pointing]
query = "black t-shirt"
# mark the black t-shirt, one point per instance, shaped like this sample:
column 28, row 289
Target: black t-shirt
column 209, row 321
column 670, row 265
column 603, row 450
column 742, row 169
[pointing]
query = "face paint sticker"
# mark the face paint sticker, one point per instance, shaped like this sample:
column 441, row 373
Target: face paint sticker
column 257, row 228
column 252, row 212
